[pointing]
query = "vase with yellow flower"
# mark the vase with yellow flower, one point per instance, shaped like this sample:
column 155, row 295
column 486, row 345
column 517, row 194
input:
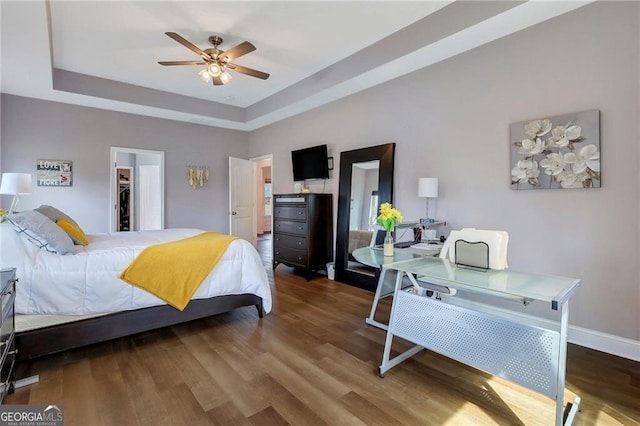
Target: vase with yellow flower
column 388, row 218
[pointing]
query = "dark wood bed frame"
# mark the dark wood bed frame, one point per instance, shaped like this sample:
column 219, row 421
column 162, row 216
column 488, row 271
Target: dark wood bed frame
column 57, row 338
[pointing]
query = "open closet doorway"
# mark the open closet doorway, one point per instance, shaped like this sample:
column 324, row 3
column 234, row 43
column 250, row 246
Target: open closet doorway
column 137, row 189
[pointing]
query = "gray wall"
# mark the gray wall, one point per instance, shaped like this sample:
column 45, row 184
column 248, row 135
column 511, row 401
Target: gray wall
column 34, row 129
column 451, row 121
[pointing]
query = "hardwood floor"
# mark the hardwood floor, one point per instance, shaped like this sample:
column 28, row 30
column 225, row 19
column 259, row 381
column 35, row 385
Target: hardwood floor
column 311, row 361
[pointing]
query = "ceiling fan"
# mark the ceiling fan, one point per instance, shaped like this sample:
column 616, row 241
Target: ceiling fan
column 217, row 61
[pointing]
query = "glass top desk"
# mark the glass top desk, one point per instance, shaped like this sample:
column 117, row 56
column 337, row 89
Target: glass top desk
column 375, row 258
column 507, row 284
column 521, row 348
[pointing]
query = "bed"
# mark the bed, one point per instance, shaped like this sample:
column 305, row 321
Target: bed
column 68, row 301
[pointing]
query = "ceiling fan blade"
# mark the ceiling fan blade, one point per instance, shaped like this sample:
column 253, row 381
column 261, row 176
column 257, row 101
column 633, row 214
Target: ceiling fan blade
column 186, row 43
column 217, row 81
column 248, row 71
column 182, row 62
column 237, row 51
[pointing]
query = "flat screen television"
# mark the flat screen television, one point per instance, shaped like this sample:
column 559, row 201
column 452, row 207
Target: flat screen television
column 310, row 163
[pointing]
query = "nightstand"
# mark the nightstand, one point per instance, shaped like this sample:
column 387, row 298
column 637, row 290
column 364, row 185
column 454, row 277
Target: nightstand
column 7, row 334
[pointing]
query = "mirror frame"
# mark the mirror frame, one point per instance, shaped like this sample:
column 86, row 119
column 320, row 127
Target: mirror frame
column 385, row 154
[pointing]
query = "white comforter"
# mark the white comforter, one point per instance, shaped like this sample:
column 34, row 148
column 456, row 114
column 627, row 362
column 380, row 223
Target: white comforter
column 87, row 282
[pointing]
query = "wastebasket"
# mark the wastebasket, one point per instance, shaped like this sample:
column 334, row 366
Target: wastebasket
column 331, row 271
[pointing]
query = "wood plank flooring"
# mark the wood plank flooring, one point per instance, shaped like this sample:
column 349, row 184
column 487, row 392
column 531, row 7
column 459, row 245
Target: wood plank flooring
column 311, row 361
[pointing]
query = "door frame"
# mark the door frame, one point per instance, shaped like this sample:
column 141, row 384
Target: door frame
column 256, row 160
column 112, row 179
column 255, row 195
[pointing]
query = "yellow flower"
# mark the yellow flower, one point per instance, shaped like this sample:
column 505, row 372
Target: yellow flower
column 389, row 216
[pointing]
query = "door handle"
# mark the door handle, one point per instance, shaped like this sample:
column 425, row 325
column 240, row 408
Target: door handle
column 233, row 213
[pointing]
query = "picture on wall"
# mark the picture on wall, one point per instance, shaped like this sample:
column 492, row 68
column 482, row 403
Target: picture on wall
column 54, row 172
column 556, row 153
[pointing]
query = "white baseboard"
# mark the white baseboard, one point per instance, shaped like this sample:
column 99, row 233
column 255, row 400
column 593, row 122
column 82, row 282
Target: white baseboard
column 615, row 345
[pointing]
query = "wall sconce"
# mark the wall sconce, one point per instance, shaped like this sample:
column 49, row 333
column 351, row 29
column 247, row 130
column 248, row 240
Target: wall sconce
column 197, row 176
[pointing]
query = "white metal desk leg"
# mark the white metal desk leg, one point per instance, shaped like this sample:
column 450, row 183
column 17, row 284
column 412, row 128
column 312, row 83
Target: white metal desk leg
column 384, row 274
column 562, row 368
column 388, row 364
column 389, row 339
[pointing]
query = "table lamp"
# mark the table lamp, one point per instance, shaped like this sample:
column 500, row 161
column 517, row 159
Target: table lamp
column 428, row 188
column 15, row 184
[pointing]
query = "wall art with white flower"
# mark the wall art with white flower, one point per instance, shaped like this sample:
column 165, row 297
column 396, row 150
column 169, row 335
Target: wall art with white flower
column 556, row 152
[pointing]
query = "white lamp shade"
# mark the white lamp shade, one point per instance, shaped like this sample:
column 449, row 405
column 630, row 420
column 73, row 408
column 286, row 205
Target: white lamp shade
column 15, row 183
column 428, row 187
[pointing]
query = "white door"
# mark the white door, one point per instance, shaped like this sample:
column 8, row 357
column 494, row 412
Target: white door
column 242, row 194
column 149, row 217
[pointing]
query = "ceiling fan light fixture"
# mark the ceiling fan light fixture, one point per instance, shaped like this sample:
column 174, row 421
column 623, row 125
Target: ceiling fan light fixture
column 214, row 69
column 225, row 77
column 217, row 62
column 204, row 75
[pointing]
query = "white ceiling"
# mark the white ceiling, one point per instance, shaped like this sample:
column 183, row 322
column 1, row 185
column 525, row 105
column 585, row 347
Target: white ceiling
column 104, row 53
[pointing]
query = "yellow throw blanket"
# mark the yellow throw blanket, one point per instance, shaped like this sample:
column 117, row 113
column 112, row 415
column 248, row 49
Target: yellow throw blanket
column 173, row 271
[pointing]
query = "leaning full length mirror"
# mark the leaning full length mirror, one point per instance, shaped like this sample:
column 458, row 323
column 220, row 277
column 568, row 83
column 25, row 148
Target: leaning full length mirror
column 366, row 180
column 363, row 210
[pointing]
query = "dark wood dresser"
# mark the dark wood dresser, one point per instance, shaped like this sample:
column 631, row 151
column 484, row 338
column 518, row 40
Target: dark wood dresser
column 303, row 231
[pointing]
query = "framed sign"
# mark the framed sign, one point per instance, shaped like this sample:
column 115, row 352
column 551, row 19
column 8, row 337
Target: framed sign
column 54, row 172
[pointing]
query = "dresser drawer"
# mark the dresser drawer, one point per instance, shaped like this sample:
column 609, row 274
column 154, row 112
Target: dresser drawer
column 299, row 228
column 6, row 329
column 7, row 297
column 289, row 241
column 8, row 279
column 298, row 257
column 292, row 212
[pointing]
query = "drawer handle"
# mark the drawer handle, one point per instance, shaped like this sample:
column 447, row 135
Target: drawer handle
column 299, row 212
column 299, row 258
column 299, row 243
column 300, row 227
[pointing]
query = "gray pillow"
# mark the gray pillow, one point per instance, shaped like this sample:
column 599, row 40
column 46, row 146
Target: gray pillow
column 41, row 231
column 53, row 213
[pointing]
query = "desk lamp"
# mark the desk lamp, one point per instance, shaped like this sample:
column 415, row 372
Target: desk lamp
column 428, row 188
column 15, row 184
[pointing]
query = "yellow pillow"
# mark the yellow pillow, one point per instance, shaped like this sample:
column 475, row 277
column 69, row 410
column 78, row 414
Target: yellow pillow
column 74, row 231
